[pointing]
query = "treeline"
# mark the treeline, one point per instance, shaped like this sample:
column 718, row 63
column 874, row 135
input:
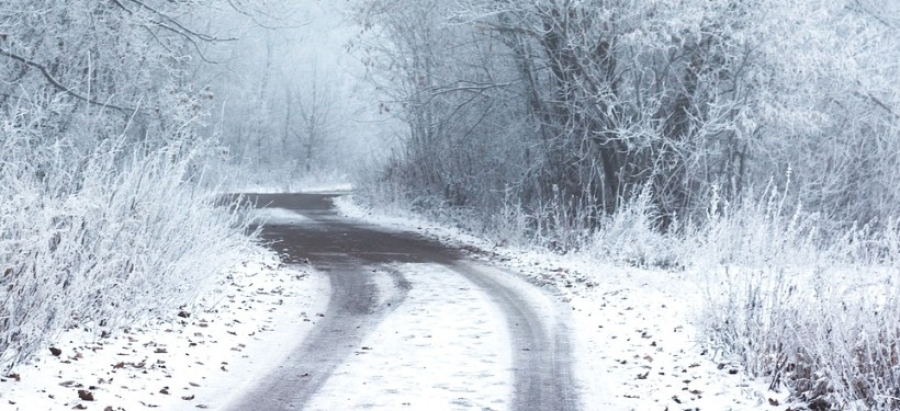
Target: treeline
column 580, row 106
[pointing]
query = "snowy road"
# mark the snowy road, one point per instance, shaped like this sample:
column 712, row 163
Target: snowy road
column 411, row 324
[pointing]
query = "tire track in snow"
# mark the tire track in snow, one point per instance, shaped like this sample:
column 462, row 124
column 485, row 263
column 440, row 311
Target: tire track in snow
column 353, row 311
column 540, row 342
column 445, row 348
column 537, row 340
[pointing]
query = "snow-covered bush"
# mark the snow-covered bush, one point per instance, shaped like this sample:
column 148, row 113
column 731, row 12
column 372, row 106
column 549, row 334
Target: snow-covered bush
column 632, row 236
column 104, row 239
column 817, row 314
column 104, row 220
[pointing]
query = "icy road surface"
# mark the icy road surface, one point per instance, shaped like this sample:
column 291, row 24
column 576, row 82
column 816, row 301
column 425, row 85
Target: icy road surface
column 411, row 324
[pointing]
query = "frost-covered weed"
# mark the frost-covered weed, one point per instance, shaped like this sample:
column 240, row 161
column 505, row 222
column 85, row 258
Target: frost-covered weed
column 818, row 314
column 105, row 239
column 632, row 236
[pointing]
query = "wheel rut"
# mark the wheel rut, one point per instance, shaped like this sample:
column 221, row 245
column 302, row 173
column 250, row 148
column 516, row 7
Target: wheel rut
column 348, row 253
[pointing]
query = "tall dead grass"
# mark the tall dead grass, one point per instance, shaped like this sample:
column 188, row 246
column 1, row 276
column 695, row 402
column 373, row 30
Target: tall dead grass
column 102, row 238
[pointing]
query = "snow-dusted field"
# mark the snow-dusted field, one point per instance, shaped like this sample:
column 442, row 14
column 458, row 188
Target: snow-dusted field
column 634, row 345
column 197, row 359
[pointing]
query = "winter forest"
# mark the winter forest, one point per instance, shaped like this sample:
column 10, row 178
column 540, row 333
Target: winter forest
column 750, row 145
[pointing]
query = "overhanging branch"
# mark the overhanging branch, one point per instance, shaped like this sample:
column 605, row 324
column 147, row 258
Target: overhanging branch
column 53, row 81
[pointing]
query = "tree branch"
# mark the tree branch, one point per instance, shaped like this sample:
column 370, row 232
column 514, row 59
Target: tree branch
column 878, row 103
column 181, row 29
column 52, row 80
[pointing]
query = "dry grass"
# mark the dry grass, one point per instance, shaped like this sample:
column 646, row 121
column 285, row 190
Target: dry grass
column 101, row 240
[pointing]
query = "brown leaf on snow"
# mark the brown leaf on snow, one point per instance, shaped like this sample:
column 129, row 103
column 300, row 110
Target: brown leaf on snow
column 188, row 397
column 55, row 351
column 79, row 407
column 119, row 365
column 85, row 395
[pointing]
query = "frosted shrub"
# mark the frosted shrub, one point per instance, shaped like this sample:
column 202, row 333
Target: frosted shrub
column 632, row 235
column 818, row 315
column 103, row 241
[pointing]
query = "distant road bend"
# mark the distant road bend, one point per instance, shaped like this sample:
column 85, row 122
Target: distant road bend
column 347, row 251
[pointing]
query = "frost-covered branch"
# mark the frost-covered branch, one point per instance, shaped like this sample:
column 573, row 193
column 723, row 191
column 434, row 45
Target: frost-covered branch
column 68, row 90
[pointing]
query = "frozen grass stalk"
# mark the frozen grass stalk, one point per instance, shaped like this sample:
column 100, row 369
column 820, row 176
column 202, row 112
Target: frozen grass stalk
column 102, row 241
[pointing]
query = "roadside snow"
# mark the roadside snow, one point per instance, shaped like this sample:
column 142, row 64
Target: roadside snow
column 276, row 216
column 196, row 359
column 327, row 188
column 439, row 350
column 634, row 345
column 303, row 187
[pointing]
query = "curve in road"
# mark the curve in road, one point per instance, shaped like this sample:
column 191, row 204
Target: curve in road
column 345, row 250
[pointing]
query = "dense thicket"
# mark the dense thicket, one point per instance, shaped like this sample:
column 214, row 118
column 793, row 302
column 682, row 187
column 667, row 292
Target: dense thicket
column 584, row 104
column 102, row 219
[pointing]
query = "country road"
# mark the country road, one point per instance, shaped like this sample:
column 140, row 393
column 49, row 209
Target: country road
column 410, row 324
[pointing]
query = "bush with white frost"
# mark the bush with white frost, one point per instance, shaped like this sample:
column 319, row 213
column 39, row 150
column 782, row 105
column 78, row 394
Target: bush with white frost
column 103, row 241
column 817, row 314
column 104, row 218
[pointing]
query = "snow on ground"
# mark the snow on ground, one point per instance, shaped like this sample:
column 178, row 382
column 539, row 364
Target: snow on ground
column 195, row 359
column 446, row 329
column 276, row 216
column 310, row 187
column 327, row 188
column 634, row 344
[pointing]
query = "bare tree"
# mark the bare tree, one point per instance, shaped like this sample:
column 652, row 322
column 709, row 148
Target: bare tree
column 316, row 106
column 621, row 96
